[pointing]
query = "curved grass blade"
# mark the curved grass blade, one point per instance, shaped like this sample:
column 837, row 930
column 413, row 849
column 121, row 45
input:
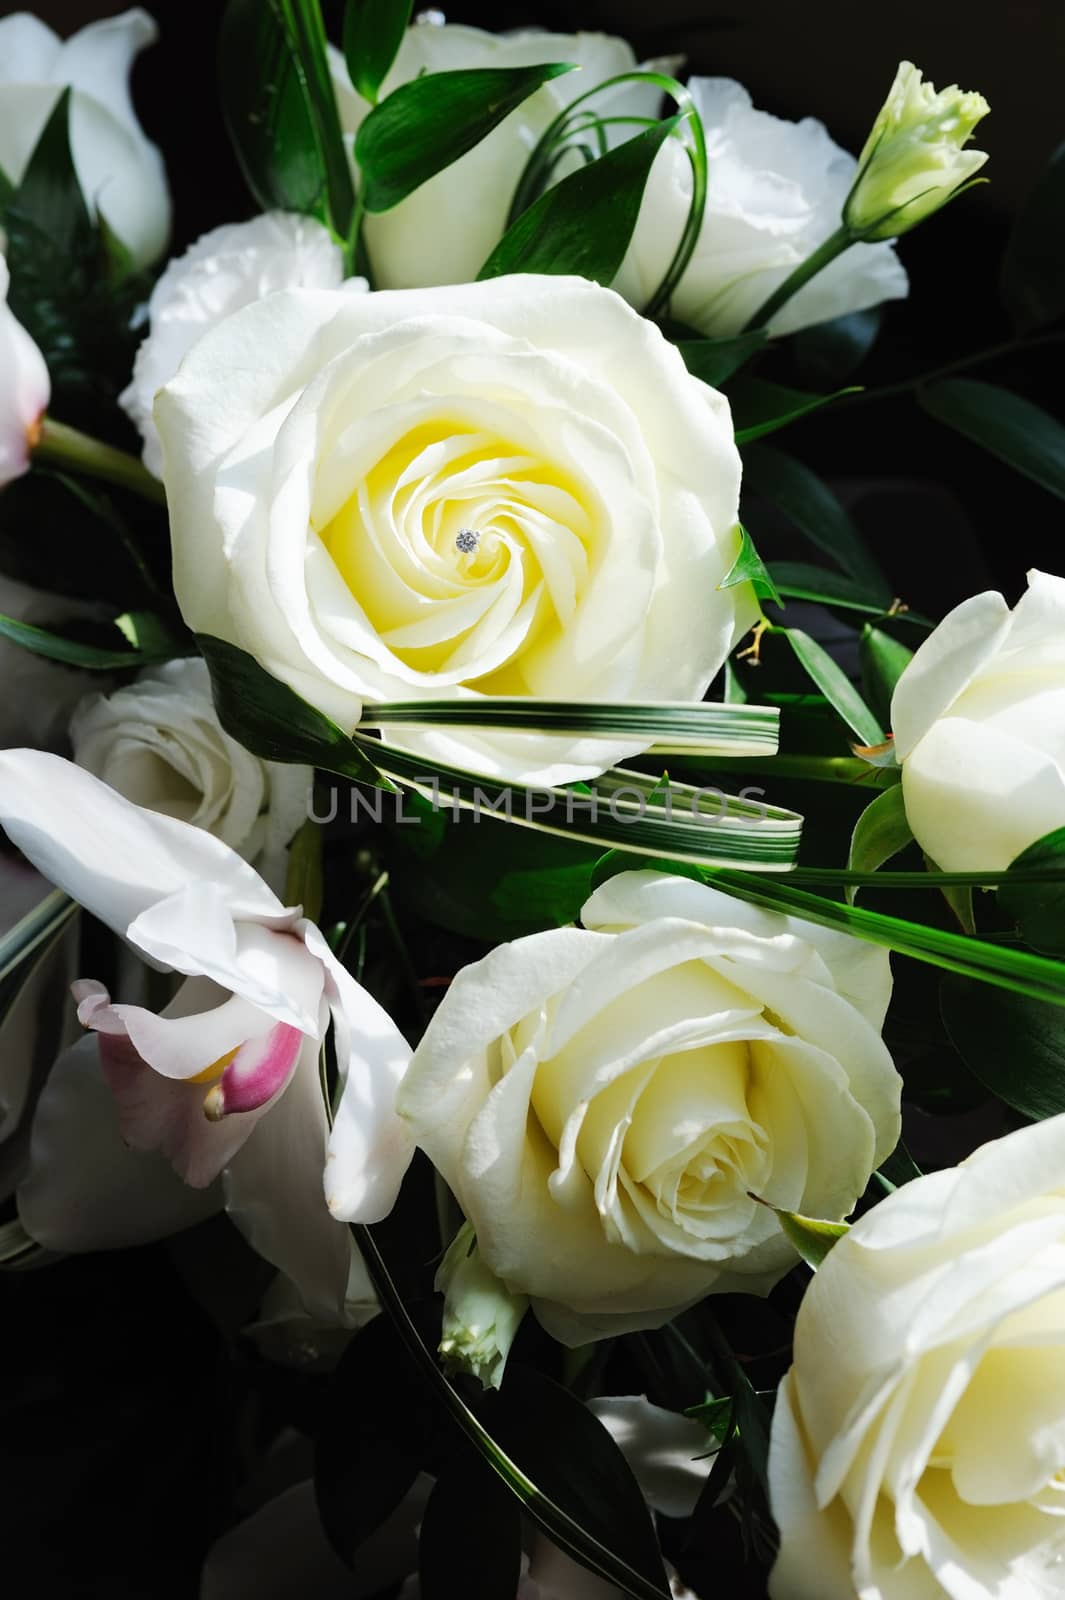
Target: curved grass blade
column 545, row 1512
column 709, row 728
column 1008, row 968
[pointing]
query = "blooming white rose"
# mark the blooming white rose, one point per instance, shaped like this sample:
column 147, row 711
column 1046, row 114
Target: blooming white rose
column 918, row 1443
column 913, row 161
column 120, row 171
column 225, row 1080
column 25, row 388
column 446, row 230
column 605, row 1101
column 776, row 190
column 225, row 269
column 512, row 487
column 979, row 723
column 160, row 743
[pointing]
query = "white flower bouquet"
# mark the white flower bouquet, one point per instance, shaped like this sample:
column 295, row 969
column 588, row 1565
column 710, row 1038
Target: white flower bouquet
column 454, row 883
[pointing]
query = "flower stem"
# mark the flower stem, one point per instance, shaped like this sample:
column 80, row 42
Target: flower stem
column 818, row 769
column 69, row 448
column 833, row 246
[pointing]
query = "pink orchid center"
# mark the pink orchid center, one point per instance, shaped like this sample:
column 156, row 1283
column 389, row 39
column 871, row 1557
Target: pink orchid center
column 252, row 1073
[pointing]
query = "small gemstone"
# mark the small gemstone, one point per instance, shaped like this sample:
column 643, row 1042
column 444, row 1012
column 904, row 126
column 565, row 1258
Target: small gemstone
column 467, row 540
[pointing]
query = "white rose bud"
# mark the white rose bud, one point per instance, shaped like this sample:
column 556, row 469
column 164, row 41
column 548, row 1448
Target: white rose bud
column 913, row 161
column 481, row 1316
column 225, row 269
column 774, row 195
column 605, row 1102
column 979, row 724
column 446, row 230
column 120, row 172
column 508, row 488
column 159, row 742
column 918, row 1443
column 25, row 389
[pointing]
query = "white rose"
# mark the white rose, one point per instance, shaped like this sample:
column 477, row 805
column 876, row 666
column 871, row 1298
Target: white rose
column 979, row 724
column 25, row 388
column 225, row 269
column 159, row 742
column 512, row 487
column 120, row 172
column 604, row 1101
column 918, row 1444
column 446, row 230
column 776, row 192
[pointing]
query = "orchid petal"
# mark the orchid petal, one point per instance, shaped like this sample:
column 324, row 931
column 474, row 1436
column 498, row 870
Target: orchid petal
column 158, row 1112
column 273, row 1191
column 114, row 858
column 195, row 931
column 84, row 1189
column 259, row 1070
column 370, row 1147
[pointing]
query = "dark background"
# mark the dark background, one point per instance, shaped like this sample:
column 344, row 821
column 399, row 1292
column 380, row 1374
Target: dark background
column 120, row 1451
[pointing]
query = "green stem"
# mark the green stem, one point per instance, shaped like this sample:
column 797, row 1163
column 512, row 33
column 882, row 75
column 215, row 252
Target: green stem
column 817, row 769
column 833, row 246
column 962, row 364
column 82, row 453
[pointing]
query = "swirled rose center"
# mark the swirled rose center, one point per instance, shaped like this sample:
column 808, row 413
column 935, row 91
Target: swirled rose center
column 464, row 551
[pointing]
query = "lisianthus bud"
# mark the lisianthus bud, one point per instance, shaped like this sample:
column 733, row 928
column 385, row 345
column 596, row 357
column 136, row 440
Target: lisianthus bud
column 481, row 1316
column 913, row 161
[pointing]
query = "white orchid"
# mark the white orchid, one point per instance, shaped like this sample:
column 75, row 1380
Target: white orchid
column 225, row 1080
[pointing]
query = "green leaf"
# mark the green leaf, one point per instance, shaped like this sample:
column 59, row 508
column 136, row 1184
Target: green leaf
column 568, row 1452
column 1038, row 909
column 626, row 810
column 28, row 941
column 584, row 1544
column 880, row 833
column 760, row 407
column 303, row 878
column 280, row 110
column 899, row 1168
column 1033, row 269
column 1021, row 434
column 1013, row 1044
column 1002, row 965
column 583, row 225
column 835, row 686
column 830, row 352
column 42, row 642
column 714, row 360
column 883, row 660
column 470, row 1538
column 375, row 1435
column 707, row 727
column 810, row 504
column 425, row 125
column 798, row 580
column 49, row 195
column 812, row 1237
column 373, row 33
column 273, row 722
column 749, row 567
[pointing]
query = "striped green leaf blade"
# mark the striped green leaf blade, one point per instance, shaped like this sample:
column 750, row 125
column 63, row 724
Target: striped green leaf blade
column 709, row 728
column 622, row 810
